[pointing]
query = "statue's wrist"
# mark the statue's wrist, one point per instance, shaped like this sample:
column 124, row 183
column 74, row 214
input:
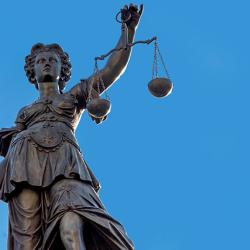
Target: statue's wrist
column 131, row 29
column 131, row 33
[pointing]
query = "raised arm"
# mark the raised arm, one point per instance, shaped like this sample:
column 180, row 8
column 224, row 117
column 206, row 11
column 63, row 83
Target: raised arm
column 118, row 60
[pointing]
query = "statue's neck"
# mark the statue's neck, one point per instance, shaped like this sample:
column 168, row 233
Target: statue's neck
column 48, row 89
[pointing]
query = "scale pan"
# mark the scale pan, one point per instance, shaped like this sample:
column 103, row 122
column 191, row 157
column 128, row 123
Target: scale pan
column 98, row 108
column 160, row 87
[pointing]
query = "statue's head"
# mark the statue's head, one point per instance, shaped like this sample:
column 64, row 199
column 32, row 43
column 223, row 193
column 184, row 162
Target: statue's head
column 48, row 63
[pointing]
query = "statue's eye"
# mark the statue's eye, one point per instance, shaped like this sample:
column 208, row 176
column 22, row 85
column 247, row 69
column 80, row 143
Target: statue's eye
column 41, row 60
column 52, row 59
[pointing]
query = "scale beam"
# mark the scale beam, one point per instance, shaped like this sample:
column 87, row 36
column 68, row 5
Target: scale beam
column 129, row 45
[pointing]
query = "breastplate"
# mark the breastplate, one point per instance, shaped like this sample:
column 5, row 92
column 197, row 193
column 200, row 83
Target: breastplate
column 47, row 136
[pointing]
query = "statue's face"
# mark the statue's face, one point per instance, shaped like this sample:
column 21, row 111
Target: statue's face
column 47, row 67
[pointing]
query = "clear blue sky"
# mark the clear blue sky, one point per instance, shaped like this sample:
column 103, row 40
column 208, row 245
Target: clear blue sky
column 174, row 171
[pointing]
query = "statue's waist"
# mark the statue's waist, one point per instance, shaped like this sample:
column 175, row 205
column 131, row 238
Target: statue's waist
column 51, row 118
column 47, row 135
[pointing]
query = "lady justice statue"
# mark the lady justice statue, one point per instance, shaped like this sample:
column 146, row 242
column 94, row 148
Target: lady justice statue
column 50, row 190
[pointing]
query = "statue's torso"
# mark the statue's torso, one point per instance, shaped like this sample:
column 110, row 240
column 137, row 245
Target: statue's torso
column 48, row 122
column 46, row 149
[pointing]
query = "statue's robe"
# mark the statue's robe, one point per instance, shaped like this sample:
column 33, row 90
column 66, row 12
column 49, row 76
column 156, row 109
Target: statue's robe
column 42, row 153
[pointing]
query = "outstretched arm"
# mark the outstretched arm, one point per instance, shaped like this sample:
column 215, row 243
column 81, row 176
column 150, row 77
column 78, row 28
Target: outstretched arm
column 118, row 60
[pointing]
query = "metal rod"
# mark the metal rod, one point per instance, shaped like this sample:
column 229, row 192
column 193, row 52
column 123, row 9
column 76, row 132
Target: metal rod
column 129, row 45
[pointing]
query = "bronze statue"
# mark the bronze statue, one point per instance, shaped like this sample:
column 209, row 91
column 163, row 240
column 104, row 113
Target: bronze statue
column 50, row 190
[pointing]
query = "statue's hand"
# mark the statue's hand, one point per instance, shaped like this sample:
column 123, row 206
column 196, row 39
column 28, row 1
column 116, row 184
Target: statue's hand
column 136, row 14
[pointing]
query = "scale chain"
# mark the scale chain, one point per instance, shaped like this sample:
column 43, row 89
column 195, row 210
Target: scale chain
column 163, row 62
column 90, row 86
column 155, row 63
column 99, row 82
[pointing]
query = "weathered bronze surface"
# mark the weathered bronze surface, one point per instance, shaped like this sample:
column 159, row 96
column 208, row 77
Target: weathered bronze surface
column 160, row 87
column 99, row 108
column 50, row 190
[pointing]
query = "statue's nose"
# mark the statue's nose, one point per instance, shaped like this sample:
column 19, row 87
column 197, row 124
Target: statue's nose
column 47, row 66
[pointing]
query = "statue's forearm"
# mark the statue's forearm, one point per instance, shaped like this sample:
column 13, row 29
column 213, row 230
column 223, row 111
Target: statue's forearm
column 117, row 62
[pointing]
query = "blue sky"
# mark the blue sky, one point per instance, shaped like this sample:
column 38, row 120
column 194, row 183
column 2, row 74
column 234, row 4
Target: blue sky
column 174, row 171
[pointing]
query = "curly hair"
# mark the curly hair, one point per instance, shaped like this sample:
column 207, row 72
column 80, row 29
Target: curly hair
column 65, row 61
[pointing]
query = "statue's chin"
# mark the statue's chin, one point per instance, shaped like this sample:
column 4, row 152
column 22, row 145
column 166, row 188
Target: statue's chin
column 47, row 78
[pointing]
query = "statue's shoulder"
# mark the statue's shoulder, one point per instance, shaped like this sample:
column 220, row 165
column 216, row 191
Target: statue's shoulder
column 22, row 112
column 80, row 88
column 80, row 93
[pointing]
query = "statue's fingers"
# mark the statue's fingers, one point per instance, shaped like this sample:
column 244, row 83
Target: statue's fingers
column 125, row 12
column 141, row 9
column 133, row 7
column 125, row 7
